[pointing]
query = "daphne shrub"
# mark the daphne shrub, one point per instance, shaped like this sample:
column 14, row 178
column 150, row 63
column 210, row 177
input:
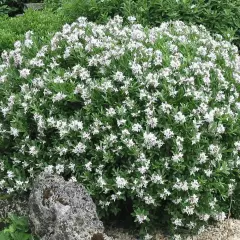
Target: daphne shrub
column 146, row 115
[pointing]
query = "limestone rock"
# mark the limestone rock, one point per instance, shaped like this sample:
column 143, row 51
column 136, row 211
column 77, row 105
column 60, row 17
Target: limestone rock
column 34, row 6
column 226, row 230
column 61, row 210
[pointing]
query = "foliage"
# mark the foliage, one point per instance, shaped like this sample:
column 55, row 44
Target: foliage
column 11, row 7
column 41, row 22
column 52, row 4
column 138, row 115
column 17, row 229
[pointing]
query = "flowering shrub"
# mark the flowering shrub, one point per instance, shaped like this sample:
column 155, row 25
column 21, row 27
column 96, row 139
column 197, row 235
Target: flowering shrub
column 149, row 115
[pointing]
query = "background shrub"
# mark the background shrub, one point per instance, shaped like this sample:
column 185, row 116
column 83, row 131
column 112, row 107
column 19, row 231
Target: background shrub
column 53, row 4
column 41, row 22
column 217, row 16
column 147, row 118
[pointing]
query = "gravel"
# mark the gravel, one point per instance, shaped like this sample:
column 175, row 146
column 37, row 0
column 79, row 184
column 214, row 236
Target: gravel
column 227, row 230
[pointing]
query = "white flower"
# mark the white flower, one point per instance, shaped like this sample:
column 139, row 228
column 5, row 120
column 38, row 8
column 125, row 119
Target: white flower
column 110, row 112
column 231, row 188
column 148, row 237
column 121, row 122
column 125, row 132
column 152, row 80
column 149, row 200
column 101, row 182
column 17, row 44
column 177, row 222
column 156, row 178
column 28, row 43
column 196, row 138
column 165, row 193
column 76, row 125
column 71, row 166
column 191, row 225
column 188, row 210
column 24, row 73
column 208, row 172
column 201, row 230
column 14, row 132
column 88, row 166
column 177, row 201
column 136, row 127
column 48, row 169
column 79, row 148
column 213, row 149
column 150, row 139
column 141, row 218
column 204, row 217
column 213, row 203
column 33, row 150
column 202, row 158
column 193, row 199
column 168, row 133
column 158, row 58
column 181, row 185
column 10, row 174
column 237, row 145
column 59, row 168
column 166, row 108
column 131, row 19
column 58, row 97
column 10, row 190
column 220, row 129
column 121, row 182
column 177, row 157
column 2, row 183
column 176, row 236
column 152, row 122
column 220, row 216
column 119, row 77
column 209, row 117
column 3, row 78
column 62, row 150
column 180, row 118
column 195, row 185
column 72, row 179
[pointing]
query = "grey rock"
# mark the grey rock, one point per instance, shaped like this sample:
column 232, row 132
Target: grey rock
column 61, row 210
column 34, row 6
column 19, row 15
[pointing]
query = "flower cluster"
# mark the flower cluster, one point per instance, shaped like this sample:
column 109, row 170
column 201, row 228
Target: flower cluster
column 145, row 114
